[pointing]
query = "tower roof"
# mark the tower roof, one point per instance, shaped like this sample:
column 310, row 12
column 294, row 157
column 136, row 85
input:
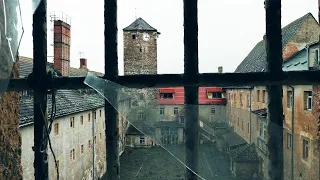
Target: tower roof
column 139, row 24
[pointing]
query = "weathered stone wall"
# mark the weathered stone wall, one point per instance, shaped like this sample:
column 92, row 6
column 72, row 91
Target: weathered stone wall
column 140, row 57
column 10, row 137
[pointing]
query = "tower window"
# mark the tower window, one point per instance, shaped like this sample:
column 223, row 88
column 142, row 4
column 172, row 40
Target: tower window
column 133, row 36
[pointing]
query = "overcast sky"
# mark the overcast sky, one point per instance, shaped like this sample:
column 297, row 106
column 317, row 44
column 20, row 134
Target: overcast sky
column 228, row 29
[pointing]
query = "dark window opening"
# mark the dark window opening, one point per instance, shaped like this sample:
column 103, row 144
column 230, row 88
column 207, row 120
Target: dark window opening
column 133, row 36
column 212, row 95
column 166, row 95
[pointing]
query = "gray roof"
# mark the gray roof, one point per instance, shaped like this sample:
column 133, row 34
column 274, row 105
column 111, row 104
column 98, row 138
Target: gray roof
column 67, row 101
column 139, row 24
column 233, row 139
column 246, row 152
column 133, row 131
column 256, row 60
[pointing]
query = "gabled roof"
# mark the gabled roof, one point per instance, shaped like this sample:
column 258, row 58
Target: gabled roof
column 133, row 131
column 233, row 139
column 67, row 101
column 256, row 60
column 246, row 152
column 139, row 24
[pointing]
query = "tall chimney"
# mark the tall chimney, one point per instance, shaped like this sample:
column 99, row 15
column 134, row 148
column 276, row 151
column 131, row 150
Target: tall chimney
column 83, row 62
column 61, row 47
column 220, row 69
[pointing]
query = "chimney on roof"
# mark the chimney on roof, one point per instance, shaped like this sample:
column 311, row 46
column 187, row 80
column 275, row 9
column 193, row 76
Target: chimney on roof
column 61, row 43
column 220, row 69
column 83, row 62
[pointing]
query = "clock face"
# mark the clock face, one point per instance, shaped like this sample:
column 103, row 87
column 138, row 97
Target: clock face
column 145, row 37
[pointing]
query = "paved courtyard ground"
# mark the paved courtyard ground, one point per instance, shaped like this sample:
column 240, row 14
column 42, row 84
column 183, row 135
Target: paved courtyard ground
column 157, row 164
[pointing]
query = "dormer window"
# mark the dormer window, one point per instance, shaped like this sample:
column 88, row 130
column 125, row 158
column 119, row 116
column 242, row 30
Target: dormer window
column 212, row 95
column 166, row 93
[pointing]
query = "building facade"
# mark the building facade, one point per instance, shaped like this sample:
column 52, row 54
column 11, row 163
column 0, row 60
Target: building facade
column 247, row 106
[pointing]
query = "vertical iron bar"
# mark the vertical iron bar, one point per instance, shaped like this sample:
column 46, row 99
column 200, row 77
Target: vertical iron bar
column 275, row 111
column 40, row 100
column 111, row 73
column 191, row 72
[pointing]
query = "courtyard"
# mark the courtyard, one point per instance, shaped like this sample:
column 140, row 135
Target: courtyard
column 157, row 163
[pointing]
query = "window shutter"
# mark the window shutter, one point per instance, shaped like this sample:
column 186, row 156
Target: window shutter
column 305, row 100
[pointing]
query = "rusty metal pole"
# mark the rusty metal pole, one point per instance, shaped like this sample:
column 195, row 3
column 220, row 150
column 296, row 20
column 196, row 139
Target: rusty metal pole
column 191, row 72
column 40, row 100
column 274, row 68
column 111, row 73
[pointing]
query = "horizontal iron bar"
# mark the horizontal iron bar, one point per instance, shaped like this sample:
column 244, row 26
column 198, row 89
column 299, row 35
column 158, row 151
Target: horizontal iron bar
column 170, row 80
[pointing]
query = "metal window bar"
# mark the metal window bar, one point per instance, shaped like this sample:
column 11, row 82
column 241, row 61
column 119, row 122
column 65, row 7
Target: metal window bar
column 191, row 80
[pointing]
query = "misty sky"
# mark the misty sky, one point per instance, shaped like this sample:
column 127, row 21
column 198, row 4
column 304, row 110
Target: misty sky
column 228, row 30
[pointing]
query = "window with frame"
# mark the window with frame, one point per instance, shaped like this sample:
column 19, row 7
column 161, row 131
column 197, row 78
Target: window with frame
column 89, row 144
column 72, row 122
column 100, row 136
column 89, row 117
column 305, row 150
column 248, row 100
column 234, row 98
column 248, row 127
column 95, row 139
column 181, row 119
column 72, row 155
column 213, row 95
column 175, row 111
column 238, row 121
column 56, row 129
column 242, row 125
column 81, row 149
column 241, row 99
column 308, row 100
column 100, row 113
column 289, row 99
column 161, row 111
column 289, row 140
column 213, row 110
column 316, row 57
column 263, row 96
column 263, row 130
column 258, row 95
column 142, row 140
column 81, row 120
column 166, row 95
column 141, row 116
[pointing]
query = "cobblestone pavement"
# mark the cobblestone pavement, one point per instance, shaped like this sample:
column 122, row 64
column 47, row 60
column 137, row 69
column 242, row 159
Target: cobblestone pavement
column 157, row 164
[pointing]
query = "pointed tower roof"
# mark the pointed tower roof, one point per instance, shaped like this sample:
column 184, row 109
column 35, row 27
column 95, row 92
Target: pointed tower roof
column 139, row 24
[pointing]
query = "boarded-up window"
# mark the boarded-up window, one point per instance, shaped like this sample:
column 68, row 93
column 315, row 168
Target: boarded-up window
column 308, row 100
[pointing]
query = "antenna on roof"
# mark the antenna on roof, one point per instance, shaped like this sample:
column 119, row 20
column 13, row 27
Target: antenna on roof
column 81, row 54
column 135, row 13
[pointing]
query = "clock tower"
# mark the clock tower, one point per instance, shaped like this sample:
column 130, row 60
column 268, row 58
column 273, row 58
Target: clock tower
column 140, row 55
column 140, row 48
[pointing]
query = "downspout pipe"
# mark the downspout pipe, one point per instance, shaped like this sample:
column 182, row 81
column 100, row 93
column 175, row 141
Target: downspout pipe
column 250, row 119
column 292, row 134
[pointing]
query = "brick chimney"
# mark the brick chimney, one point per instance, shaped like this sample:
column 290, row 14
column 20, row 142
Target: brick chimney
column 61, row 47
column 220, row 69
column 83, row 62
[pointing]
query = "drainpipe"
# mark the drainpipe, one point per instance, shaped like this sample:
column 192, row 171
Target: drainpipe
column 292, row 133
column 93, row 120
column 251, row 88
column 308, row 59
